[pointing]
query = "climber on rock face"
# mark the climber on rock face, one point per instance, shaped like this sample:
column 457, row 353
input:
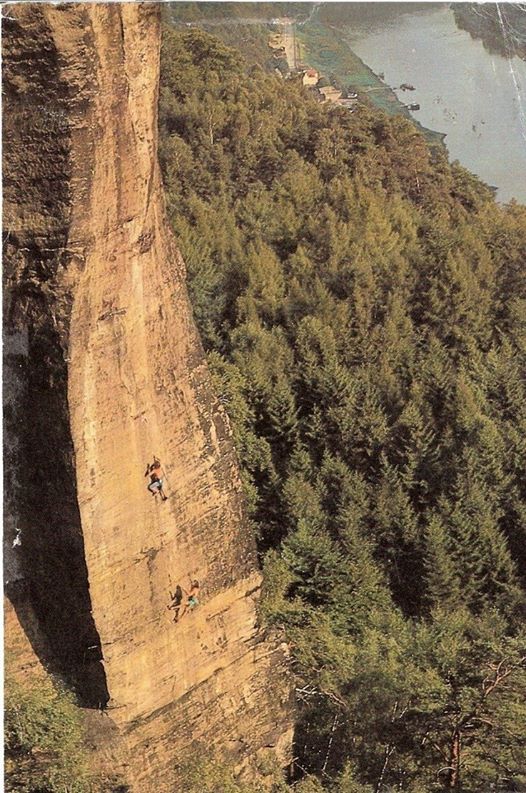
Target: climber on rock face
column 192, row 596
column 155, row 472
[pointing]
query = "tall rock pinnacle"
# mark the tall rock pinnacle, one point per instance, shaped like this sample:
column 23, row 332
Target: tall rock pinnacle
column 105, row 370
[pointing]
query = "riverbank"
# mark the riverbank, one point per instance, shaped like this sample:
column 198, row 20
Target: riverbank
column 326, row 48
column 474, row 97
column 295, row 42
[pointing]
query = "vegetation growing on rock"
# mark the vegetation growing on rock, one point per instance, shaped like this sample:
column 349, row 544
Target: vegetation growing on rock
column 45, row 745
column 44, row 748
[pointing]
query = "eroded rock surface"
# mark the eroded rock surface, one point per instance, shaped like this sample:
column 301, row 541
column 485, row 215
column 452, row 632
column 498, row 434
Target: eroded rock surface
column 109, row 373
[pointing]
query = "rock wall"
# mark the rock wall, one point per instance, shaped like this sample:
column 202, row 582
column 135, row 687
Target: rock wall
column 109, row 373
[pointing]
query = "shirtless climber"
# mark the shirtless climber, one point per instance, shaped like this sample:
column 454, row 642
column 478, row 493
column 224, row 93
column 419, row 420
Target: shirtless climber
column 192, row 596
column 155, row 472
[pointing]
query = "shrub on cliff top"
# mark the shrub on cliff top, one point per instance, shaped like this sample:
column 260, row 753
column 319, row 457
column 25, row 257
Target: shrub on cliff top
column 44, row 749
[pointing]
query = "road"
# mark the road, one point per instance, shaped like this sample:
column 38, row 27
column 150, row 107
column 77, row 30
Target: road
column 288, row 33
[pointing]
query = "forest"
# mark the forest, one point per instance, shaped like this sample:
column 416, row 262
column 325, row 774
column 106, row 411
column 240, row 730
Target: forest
column 362, row 305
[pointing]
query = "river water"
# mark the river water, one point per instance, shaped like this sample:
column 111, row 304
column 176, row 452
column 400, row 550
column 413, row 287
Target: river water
column 477, row 99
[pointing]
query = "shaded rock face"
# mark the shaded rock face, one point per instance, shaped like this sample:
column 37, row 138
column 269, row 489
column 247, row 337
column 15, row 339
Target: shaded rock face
column 104, row 369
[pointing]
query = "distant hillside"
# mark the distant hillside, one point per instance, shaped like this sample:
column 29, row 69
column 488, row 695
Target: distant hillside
column 501, row 26
column 244, row 26
column 229, row 11
column 358, row 13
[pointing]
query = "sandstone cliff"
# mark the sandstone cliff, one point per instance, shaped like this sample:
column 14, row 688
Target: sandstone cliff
column 104, row 368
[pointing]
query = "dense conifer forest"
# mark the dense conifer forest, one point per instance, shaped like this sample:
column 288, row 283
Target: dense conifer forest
column 362, row 304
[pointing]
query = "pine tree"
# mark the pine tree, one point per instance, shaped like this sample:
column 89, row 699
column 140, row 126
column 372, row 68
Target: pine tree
column 396, row 530
column 442, row 580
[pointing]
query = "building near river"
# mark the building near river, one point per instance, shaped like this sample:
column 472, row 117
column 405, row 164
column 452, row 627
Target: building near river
column 310, row 77
column 330, row 93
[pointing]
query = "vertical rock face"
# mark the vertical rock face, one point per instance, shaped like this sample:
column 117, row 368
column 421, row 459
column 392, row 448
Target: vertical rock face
column 109, row 372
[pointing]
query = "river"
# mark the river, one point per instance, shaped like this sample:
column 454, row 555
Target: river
column 477, row 99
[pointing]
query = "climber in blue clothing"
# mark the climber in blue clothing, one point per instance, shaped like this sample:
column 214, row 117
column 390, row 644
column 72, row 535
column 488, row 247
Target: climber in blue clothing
column 155, row 472
column 192, row 597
